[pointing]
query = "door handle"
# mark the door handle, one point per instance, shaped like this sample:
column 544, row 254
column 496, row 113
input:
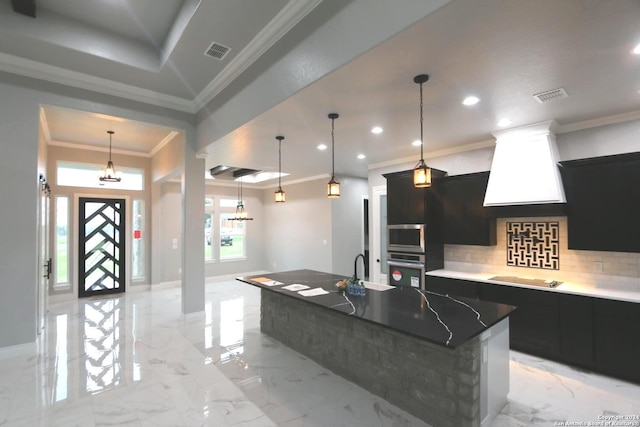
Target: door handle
column 48, row 268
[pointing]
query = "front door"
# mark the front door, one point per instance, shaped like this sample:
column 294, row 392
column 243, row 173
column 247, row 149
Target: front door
column 101, row 246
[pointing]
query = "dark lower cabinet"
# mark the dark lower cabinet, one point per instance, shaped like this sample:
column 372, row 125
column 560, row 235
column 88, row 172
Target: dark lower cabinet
column 457, row 287
column 576, row 330
column 617, row 346
column 534, row 325
column 587, row 332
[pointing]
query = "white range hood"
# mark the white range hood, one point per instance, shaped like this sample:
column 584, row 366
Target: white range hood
column 525, row 170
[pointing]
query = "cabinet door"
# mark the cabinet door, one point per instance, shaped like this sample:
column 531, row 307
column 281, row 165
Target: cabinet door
column 576, row 330
column 616, row 338
column 603, row 205
column 405, row 203
column 457, row 287
column 466, row 221
column 534, row 325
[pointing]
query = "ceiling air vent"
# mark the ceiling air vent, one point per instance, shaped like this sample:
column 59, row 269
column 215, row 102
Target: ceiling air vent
column 218, row 51
column 550, row 95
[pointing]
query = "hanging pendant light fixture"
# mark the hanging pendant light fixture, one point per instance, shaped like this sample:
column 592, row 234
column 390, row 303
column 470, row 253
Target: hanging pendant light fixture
column 279, row 195
column 241, row 214
column 333, row 187
column 421, row 173
column 109, row 174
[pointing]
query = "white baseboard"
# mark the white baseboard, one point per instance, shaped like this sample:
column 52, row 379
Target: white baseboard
column 17, row 350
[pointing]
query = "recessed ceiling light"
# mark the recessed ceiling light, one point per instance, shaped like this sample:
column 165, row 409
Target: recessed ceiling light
column 376, row 130
column 504, row 122
column 416, row 143
column 361, row 156
column 636, row 50
column 322, row 147
column 471, row 100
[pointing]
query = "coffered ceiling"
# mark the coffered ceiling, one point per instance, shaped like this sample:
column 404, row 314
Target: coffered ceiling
column 501, row 51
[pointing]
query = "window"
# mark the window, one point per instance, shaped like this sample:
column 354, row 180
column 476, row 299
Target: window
column 232, row 233
column 61, row 255
column 208, row 228
column 137, row 246
column 86, row 175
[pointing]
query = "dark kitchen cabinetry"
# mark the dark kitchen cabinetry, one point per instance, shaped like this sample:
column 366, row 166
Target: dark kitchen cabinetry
column 576, row 330
column 534, row 326
column 457, row 287
column 466, row 221
column 407, row 204
column 603, row 206
column 591, row 333
column 616, row 349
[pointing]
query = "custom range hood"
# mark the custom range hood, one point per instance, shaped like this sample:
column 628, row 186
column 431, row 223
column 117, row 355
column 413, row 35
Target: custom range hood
column 525, row 170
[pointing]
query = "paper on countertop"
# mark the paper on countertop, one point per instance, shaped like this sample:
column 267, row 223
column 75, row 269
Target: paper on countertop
column 377, row 286
column 313, row 292
column 295, row 287
column 267, row 282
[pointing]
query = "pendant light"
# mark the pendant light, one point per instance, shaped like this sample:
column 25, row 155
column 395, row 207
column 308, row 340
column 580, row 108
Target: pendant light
column 333, row 187
column 110, row 171
column 241, row 214
column 279, row 195
column 421, row 173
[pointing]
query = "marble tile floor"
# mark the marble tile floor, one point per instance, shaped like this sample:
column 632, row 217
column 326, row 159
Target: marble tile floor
column 134, row 360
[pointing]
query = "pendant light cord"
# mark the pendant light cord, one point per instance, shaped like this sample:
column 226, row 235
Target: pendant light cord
column 332, row 148
column 421, row 132
column 279, row 162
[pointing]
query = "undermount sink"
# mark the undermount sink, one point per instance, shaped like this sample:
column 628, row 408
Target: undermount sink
column 524, row 281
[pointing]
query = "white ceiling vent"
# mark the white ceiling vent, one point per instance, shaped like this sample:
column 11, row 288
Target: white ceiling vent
column 218, row 51
column 550, row 95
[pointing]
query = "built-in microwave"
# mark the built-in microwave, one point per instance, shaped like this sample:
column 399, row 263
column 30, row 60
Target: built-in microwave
column 405, row 238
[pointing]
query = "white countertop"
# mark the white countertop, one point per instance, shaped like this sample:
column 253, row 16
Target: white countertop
column 568, row 287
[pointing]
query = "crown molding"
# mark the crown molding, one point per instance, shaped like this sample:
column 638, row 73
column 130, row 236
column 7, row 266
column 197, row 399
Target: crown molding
column 433, row 154
column 100, row 149
column 601, row 121
column 167, row 139
column 286, row 19
column 40, row 71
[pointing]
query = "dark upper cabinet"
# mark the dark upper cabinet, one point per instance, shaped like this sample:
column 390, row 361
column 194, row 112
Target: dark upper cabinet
column 603, row 203
column 466, row 221
column 407, row 204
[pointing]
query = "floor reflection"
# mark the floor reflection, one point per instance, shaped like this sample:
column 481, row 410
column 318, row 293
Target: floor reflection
column 102, row 344
column 135, row 360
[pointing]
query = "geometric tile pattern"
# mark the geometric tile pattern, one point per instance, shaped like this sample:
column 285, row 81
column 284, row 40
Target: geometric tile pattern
column 533, row 245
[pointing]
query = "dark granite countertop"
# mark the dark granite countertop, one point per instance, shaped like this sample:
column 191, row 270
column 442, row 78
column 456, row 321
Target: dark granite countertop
column 438, row 318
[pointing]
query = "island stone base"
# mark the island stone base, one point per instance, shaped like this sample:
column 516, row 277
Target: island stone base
column 440, row 385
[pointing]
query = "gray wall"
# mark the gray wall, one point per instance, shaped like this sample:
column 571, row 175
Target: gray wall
column 20, row 98
column 347, row 224
column 299, row 230
column 19, row 192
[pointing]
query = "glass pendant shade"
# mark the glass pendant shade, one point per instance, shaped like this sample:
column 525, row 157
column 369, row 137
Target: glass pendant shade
column 109, row 174
column 279, row 196
column 333, row 189
column 422, row 175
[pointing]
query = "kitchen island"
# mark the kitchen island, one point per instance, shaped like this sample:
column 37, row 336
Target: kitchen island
column 443, row 359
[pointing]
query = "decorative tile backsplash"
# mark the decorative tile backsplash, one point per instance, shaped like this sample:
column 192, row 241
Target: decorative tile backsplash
column 533, row 244
column 586, row 266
